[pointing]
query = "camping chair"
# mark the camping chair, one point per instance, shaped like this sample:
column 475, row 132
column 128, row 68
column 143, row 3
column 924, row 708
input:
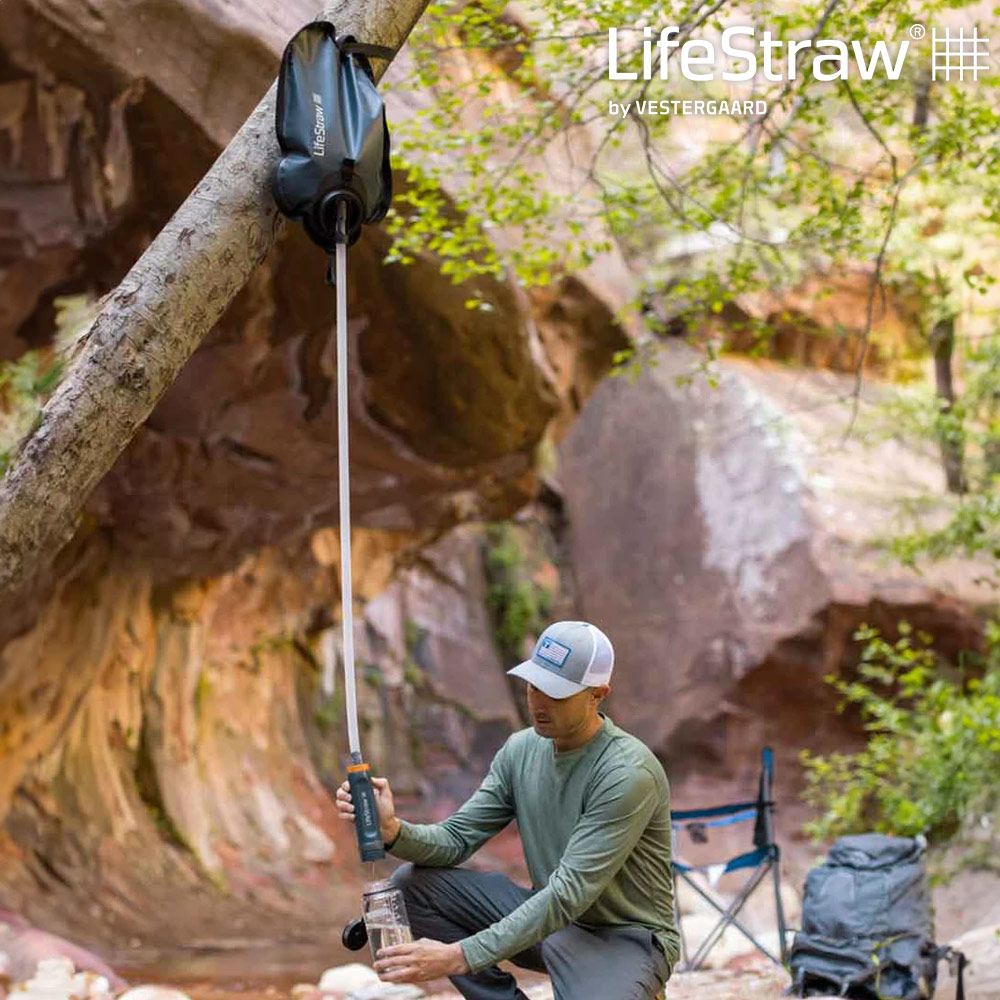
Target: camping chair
column 763, row 859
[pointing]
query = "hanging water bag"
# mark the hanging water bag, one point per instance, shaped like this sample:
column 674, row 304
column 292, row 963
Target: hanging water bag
column 332, row 131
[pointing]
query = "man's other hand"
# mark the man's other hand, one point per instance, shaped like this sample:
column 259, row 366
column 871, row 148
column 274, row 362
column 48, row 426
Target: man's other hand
column 420, row 961
column 387, row 821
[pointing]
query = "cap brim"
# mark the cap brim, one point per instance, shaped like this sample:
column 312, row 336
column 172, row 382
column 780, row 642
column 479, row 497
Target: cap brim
column 546, row 681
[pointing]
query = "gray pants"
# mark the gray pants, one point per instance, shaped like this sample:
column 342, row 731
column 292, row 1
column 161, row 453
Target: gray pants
column 604, row 963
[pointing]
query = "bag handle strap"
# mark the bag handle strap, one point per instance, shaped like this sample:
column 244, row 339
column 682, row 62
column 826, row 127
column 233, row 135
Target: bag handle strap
column 957, row 961
column 353, row 47
column 349, row 45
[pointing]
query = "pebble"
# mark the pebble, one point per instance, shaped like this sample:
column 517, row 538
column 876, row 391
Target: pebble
column 388, row 991
column 153, row 993
column 354, row 982
column 345, row 978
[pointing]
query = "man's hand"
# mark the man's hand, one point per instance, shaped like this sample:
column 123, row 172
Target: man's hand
column 387, row 819
column 420, row 961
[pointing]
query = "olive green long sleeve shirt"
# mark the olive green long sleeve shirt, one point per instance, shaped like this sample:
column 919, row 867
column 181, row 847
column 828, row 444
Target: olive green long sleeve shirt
column 595, row 826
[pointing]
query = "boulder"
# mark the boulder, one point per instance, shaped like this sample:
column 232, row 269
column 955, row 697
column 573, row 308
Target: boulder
column 982, row 976
column 746, row 560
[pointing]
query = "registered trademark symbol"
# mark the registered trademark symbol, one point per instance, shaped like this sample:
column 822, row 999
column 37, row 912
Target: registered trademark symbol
column 917, row 31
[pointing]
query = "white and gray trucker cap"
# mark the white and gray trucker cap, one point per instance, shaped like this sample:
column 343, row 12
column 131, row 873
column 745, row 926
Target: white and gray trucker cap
column 569, row 657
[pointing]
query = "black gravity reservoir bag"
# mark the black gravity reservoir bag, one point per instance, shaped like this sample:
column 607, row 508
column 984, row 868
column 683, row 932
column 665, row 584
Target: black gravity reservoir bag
column 332, row 131
column 334, row 177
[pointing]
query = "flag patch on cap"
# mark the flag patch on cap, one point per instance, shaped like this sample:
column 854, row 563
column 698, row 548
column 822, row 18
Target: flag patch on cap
column 552, row 652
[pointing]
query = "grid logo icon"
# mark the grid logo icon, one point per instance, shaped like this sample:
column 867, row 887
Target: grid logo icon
column 957, row 53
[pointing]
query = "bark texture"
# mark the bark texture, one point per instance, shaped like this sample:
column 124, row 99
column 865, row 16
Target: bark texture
column 155, row 320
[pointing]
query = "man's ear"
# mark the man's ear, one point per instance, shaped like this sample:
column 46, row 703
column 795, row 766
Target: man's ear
column 601, row 692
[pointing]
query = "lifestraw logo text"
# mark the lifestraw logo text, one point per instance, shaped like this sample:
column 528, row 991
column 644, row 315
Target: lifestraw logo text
column 746, row 54
column 319, row 127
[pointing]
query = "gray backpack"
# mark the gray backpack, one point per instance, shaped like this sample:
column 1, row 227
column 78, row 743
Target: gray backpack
column 867, row 929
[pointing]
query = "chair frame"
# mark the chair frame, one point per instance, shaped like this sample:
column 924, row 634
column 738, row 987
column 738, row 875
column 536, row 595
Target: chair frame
column 764, row 859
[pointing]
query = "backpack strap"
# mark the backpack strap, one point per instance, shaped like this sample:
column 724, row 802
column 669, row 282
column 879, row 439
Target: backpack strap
column 961, row 961
column 957, row 961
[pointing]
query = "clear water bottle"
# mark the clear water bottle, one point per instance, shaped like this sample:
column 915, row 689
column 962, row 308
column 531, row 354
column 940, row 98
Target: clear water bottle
column 385, row 916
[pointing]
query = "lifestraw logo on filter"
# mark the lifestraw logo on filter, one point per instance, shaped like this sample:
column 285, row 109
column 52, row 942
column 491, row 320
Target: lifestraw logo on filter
column 552, row 652
column 319, row 129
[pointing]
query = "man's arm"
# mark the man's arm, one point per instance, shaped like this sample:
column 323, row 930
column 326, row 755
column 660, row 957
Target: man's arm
column 606, row 834
column 451, row 841
column 489, row 810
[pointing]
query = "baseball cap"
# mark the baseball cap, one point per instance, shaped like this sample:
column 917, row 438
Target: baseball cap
column 569, row 657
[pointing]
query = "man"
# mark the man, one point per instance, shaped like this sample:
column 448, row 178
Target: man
column 592, row 806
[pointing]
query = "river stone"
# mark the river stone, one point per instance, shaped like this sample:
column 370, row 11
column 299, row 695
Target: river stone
column 982, row 975
column 388, row 991
column 150, row 992
column 348, row 977
column 57, row 979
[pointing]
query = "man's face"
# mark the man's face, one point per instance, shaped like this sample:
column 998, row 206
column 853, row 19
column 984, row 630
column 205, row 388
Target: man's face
column 562, row 718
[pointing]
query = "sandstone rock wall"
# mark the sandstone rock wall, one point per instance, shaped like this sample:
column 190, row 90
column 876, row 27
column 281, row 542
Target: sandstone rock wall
column 169, row 704
column 169, row 750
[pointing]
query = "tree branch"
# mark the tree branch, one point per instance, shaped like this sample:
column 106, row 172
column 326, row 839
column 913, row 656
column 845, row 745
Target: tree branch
column 156, row 319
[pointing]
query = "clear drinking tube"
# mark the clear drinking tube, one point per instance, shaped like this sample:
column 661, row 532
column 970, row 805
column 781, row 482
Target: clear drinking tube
column 346, row 583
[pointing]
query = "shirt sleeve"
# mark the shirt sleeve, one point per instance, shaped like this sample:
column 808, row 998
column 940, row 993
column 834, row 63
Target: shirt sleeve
column 451, row 841
column 607, row 832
